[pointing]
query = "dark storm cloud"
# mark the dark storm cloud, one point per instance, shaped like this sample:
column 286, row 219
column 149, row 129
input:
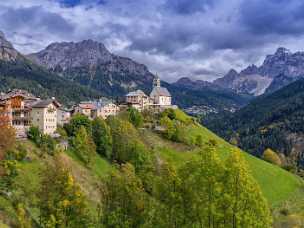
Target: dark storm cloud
column 36, row 19
column 189, row 7
column 174, row 37
column 281, row 17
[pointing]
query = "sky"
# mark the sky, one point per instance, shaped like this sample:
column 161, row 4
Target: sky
column 200, row 39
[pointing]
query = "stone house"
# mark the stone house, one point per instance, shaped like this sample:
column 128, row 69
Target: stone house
column 104, row 108
column 44, row 116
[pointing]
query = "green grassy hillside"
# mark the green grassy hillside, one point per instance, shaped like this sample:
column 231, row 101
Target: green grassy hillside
column 277, row 184
column 279, row 187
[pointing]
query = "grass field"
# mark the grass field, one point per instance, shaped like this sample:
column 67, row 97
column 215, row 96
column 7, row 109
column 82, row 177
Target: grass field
column 277, row 184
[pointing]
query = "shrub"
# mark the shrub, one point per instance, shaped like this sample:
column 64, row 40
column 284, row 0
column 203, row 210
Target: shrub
column 47, row 144
column 272, row 157
column 135, row 117
column 34, row 134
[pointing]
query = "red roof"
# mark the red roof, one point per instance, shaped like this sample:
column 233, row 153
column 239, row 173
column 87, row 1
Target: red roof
column 86, row 106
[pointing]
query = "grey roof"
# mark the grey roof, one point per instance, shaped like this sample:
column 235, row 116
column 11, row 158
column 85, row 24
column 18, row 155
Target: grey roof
column 136, row 93
column 45, row 103
column 160, row 91
column 101, row 103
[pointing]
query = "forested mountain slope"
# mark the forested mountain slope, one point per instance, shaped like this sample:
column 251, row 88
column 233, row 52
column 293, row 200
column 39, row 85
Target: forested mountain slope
column 271, row 121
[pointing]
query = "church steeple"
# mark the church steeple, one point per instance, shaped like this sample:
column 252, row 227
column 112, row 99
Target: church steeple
column 156, row 81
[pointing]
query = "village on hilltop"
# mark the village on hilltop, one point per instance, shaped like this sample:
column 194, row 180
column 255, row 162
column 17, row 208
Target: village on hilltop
column 21, row 109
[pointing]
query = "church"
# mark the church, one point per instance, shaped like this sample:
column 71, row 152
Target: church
column 159, row 99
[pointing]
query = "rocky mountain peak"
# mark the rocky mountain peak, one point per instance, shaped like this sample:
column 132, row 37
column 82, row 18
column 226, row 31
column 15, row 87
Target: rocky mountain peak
column 226, row 81
column 65, row 55
column 252, row 69
column 7, row 51
column 277, row 70
column 282, row 51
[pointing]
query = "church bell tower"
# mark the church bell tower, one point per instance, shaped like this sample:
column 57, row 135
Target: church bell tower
column 156, row 81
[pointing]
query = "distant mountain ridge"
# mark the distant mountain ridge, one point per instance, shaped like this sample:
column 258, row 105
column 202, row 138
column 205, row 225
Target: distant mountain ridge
column 277, row 71
column 89, row 63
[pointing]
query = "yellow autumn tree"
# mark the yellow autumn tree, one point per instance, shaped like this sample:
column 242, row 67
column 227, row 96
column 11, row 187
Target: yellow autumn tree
column 270, row 156
column 62, row 204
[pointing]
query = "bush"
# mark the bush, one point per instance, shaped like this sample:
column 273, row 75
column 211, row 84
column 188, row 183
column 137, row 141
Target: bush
column 170, row 113
column 272, row 157
column 135, row 117
column 18, row 154
column 47, row 144
column 34, row 134
column 199, row 140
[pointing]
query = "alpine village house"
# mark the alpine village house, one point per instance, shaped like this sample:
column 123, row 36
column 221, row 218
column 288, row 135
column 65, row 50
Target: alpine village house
column 21, row 109
column 159, row 98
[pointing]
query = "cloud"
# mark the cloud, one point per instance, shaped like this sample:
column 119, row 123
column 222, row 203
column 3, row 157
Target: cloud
column 201, row 39
column 280, row 17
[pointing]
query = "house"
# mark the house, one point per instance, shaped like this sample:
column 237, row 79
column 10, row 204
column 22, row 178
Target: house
column 159, row 99
column 63, row 116
column 20, row 106
column 44, row 115
column 160, row 95
column 104, row 108
column 138, row 99
column 84, row 108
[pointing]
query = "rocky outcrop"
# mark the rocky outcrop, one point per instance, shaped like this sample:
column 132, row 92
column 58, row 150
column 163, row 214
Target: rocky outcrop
column 90, row 63
column 7, row 51
column 277, row 70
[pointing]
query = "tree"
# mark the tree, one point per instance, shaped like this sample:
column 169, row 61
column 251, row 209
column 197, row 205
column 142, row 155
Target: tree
column 168, row 194
column 135, row 117
column 201, row 189
column 170, row 113
column 247, row 206
column 270, row 156
column 169, row 127
column 7, row 140
column 83, row 145
column 102, row 137
column 125, row 202
column 76, row 122
column 62, row 204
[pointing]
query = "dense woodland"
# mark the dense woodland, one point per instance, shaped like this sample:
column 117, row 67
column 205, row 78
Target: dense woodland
column 274, row 121
column 141, row 189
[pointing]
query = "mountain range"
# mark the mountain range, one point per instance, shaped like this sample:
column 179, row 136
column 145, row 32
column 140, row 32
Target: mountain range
column 91, row 70
column 277, row 71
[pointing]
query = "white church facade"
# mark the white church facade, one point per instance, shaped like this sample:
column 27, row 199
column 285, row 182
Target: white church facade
column 159, row 99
